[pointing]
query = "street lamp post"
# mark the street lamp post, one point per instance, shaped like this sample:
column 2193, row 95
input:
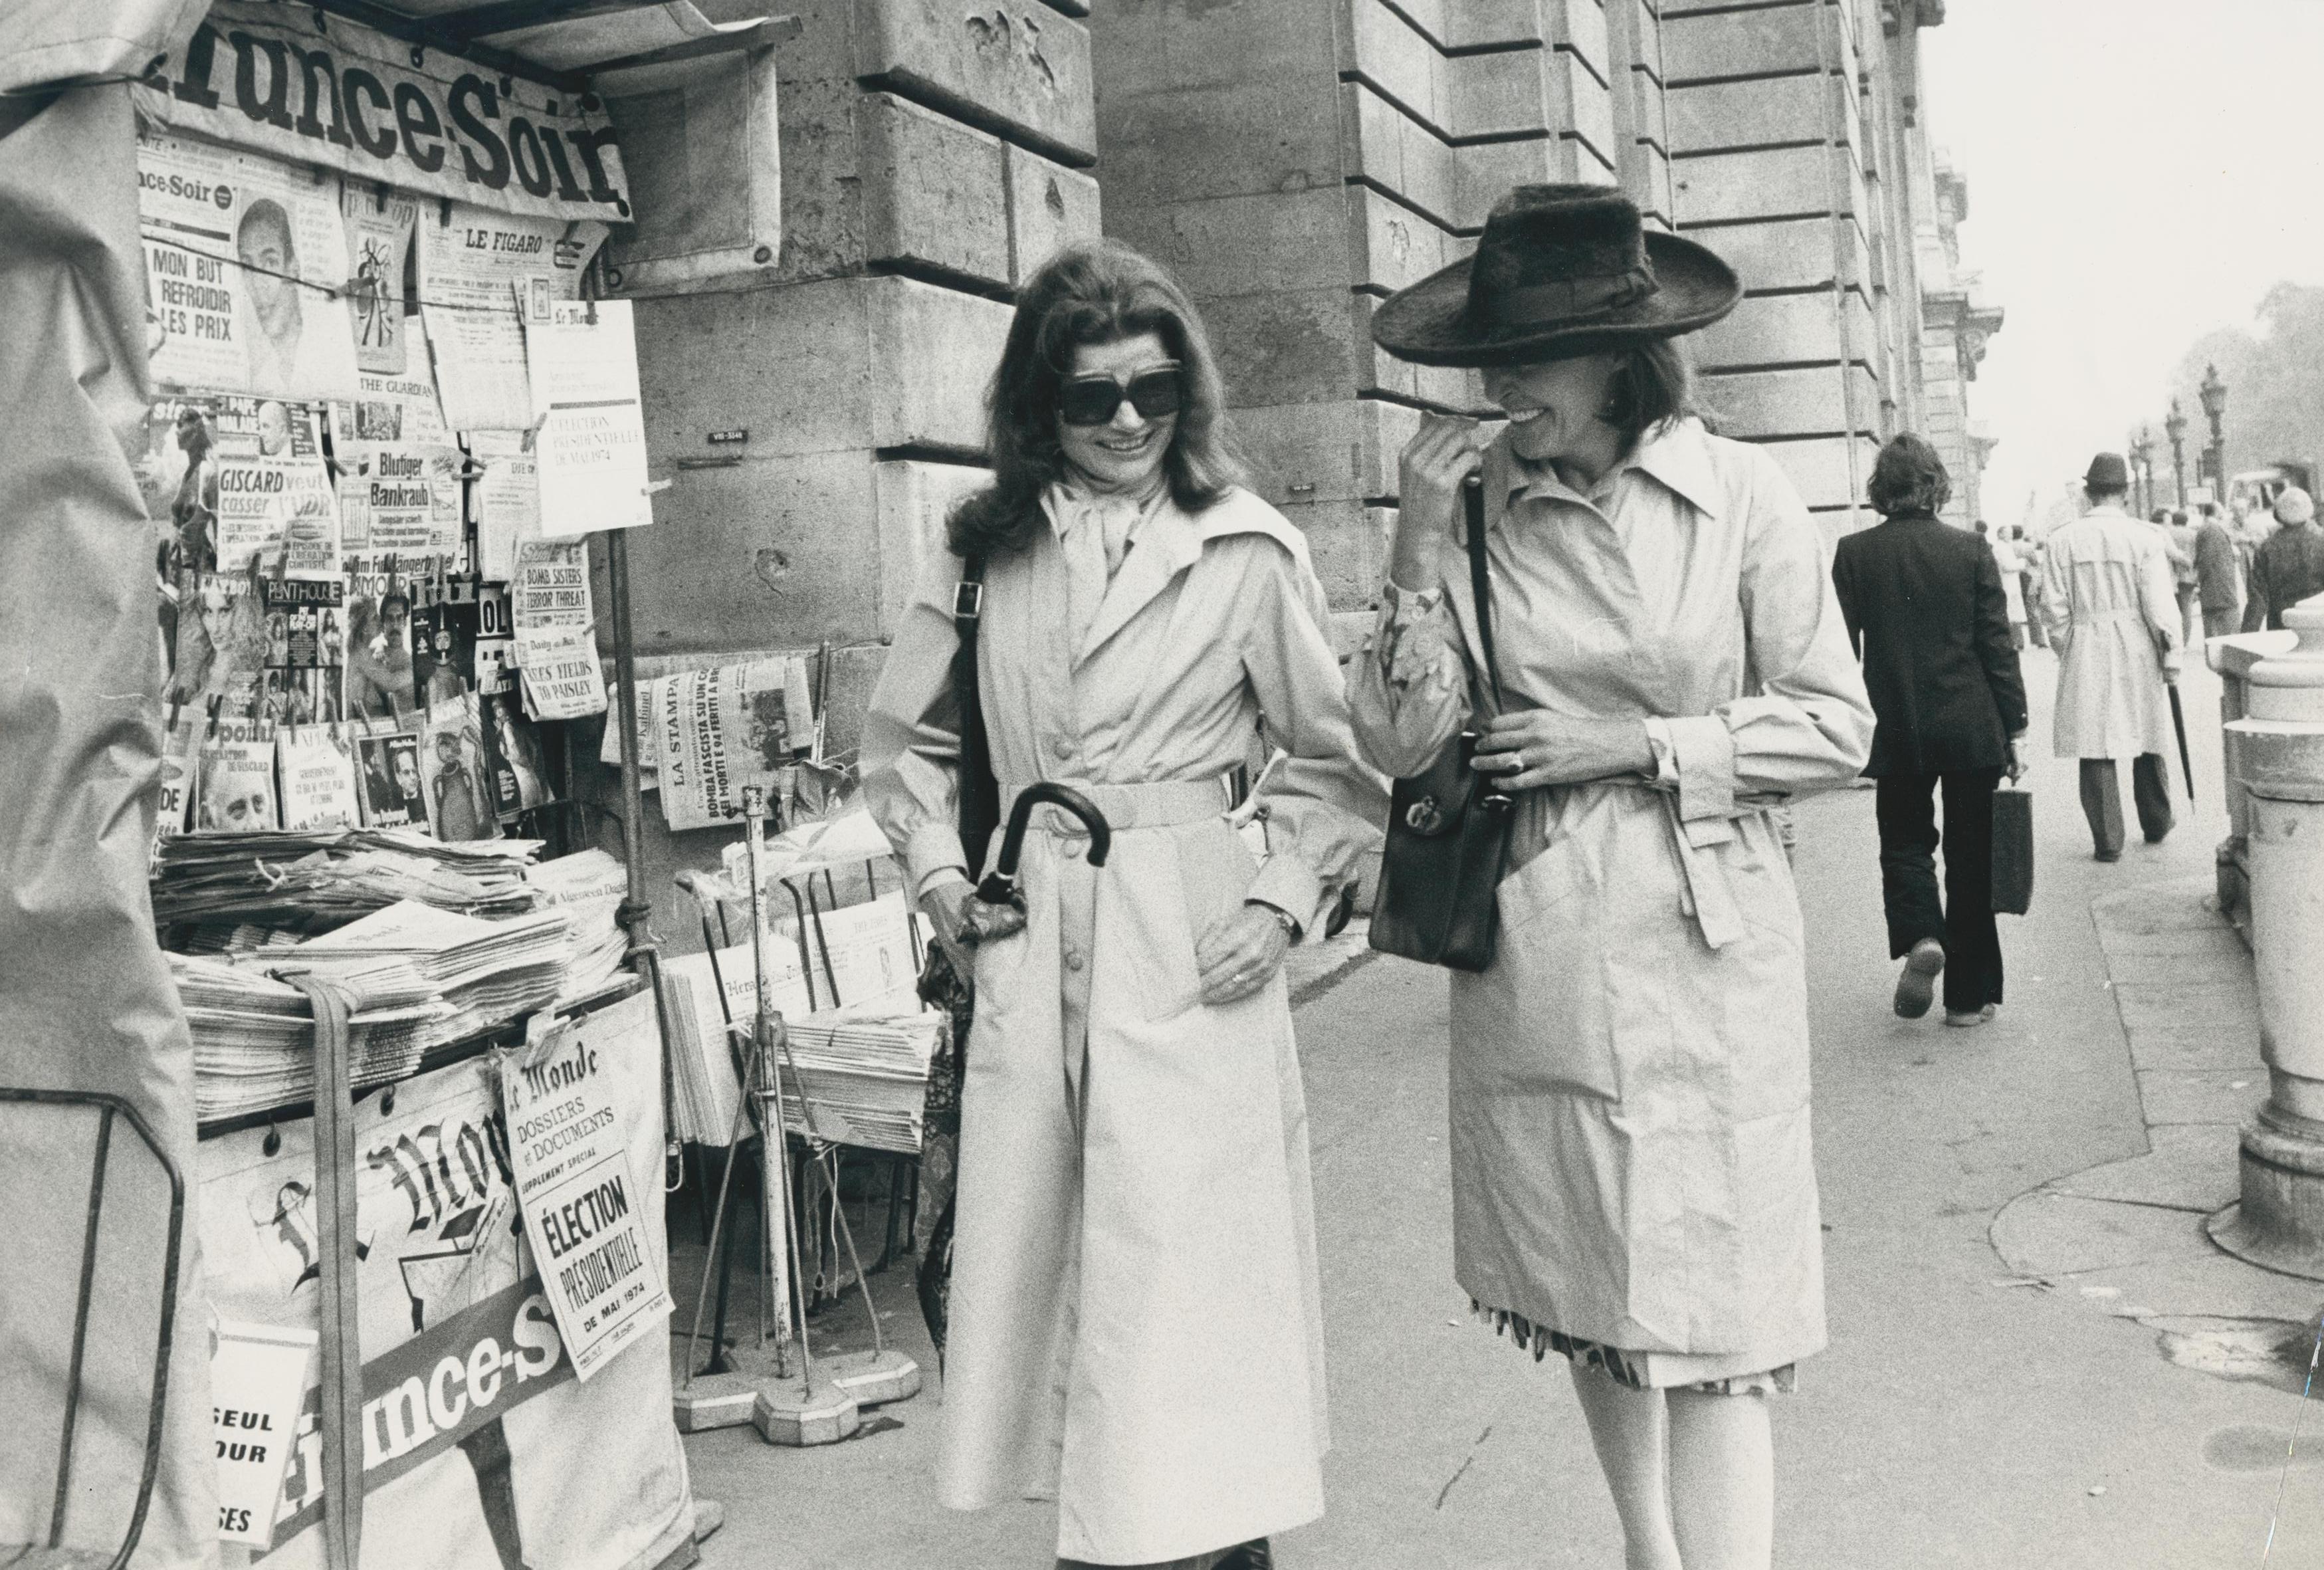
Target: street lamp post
column 2174, row 426
column 2214, row 394
column 2142, row 469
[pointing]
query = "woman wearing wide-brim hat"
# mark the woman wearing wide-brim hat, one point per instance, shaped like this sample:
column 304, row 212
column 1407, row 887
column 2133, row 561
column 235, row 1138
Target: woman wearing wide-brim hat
column 1632, row 1180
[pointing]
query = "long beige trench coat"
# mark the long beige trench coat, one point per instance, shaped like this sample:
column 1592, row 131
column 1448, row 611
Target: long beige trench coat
column 2111, row 606
column 1629, row 1137
column 1136, row 1328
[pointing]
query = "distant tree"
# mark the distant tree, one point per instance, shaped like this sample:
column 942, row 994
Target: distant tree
column 2274, row 376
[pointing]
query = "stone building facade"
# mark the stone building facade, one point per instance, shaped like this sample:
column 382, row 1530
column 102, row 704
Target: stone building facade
column 1294, row 161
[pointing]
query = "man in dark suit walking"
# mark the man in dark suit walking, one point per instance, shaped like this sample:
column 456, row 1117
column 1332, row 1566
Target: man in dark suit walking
column 1927, row 615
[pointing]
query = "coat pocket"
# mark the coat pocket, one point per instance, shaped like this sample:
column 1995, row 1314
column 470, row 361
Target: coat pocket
column 1541, row 1013
column 1149, row 916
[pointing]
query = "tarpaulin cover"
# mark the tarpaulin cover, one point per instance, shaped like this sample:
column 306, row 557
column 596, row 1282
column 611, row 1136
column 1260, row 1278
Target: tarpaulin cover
column 85, row 1001
column 61, row 40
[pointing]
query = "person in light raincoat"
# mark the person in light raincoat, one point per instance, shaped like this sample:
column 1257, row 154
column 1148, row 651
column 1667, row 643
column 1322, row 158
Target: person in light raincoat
column 2113, row 619
column 1135, row 1325
column 1632, row 1180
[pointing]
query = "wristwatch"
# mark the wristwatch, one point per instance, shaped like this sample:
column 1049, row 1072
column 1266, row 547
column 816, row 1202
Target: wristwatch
column 1290, row 924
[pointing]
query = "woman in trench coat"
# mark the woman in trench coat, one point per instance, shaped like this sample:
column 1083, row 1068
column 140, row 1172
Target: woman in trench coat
column 1631, row 1174
column 1134, row 1320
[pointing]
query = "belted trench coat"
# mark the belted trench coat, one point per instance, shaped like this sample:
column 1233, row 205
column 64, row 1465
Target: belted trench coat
column 1629, row 1104
column 2112, row 608
column 1135, row 1317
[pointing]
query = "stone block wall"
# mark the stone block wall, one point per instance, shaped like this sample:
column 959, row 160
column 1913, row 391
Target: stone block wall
column 932, row 155
column 1296, row 161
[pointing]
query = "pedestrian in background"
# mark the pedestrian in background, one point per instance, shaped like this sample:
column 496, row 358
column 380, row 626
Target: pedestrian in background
column 2029, row 582
column 2012, row 568
column 2218, row 574
column 1925, row 609
column 1134, row 1326
column 2289, row 566
column 1633, row 1185
column 2113, row 619
column 2185, row 574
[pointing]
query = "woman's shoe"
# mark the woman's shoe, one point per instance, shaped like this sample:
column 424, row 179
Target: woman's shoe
column 1916, row 989
column 1964, row 1019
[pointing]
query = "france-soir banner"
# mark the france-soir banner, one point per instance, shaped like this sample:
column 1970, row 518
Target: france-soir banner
column 293, row 82
column 481, row 1449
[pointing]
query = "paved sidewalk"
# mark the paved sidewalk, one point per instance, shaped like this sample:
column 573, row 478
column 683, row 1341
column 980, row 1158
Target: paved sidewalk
column 2128, row 1236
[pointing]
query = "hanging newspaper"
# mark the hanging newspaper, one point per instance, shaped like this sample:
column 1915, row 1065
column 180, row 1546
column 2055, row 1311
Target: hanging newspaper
column 281, row 510
column 478, row 270
column 725, row 728
column 550, row 587
column 561, row 676
column 379, row 233
column 234, row 792
column 507, row 498
column 399, row 407
column 318, row 766
column 582, row 1208
column 245, row 272
column 592, row 445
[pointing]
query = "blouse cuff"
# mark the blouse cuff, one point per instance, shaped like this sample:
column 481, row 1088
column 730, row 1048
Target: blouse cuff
column 933, row 850
column 1412, row 638
column 1697, row 755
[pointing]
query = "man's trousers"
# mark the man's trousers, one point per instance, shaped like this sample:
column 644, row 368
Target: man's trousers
column 2150, row 786
column 1963, row 920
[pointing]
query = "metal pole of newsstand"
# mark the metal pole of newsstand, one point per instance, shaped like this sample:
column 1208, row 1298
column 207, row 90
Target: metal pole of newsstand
column 636, row 912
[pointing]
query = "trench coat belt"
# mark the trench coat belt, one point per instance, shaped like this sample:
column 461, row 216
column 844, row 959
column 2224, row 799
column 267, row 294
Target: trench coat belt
column 2117, row 615
column 1165, row 804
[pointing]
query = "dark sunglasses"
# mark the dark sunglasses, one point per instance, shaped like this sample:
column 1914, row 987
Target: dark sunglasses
column 1093, row 400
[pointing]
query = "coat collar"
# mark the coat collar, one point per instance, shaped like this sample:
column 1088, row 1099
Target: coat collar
column 1677, row 456
column 1168, row 542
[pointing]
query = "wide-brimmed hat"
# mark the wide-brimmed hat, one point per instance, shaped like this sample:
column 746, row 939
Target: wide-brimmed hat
column 1561, row 269
column 2108, row 472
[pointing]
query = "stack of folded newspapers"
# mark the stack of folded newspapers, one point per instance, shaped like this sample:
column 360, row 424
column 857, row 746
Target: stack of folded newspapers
column 588, row 887
column 864, row 1072
column 487, row 972
column 417, row 978
column 310, row 881
column 255, row 1038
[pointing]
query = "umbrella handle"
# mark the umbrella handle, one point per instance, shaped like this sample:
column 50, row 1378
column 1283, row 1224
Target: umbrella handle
column 1000, row 885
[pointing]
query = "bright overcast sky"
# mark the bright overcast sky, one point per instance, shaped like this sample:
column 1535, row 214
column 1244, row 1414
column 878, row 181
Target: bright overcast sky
column 2139, row 172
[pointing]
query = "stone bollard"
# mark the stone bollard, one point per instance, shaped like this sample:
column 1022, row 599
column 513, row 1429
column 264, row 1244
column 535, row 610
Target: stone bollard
column 2277, row 753
column 2231, row 658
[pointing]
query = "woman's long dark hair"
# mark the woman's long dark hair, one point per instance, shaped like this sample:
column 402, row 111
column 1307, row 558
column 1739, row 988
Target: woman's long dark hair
column 1094, row 292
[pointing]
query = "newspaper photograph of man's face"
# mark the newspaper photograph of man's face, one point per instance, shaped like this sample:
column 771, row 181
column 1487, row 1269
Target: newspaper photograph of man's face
column 235, row 792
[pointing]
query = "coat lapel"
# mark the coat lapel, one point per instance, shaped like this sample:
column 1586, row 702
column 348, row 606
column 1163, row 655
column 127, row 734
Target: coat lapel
column 1166, row 545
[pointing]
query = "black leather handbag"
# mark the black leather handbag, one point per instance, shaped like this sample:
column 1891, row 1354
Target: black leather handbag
column 1448, row 827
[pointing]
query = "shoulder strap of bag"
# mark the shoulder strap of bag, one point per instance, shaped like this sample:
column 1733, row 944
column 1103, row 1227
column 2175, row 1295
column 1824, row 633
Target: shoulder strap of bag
column 980, row 790
column 1480, row 588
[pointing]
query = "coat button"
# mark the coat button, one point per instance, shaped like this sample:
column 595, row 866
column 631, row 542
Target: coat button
column 1071, row 850
column 1062, row 746
column 1074, row 960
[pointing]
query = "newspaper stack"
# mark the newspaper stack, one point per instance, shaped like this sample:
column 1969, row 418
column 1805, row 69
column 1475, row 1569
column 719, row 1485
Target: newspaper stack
column 702, row 1063
column 588, row 887
column 255, row 1037
column 864, row 1073
column 313, row 881
column 487, row 972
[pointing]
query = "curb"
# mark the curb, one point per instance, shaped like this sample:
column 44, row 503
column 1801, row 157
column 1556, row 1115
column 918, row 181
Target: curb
column 2128, row 1236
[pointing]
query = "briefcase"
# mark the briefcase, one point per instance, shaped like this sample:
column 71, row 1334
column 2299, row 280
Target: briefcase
column 2013, row 851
